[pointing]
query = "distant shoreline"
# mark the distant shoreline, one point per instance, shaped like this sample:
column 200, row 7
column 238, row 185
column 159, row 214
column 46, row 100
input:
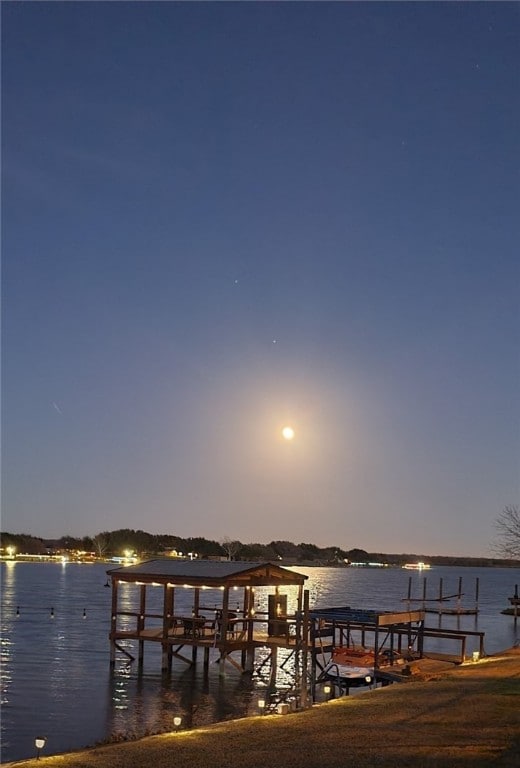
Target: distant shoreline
column 432, row 564
column 127, row 545
column 49, row 560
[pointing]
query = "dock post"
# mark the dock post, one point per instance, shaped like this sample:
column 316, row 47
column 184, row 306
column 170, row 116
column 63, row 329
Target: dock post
column 419, row 638
column 166, row 655
column 477, row 582
column 249, row 611
column 140, row 624
column 250, row 659
column 274, row 666
column 222, row 663
column 164, row 658
column 113, row 623
column 305, row 653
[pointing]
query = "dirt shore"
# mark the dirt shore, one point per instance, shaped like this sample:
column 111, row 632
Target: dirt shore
column 457, row 717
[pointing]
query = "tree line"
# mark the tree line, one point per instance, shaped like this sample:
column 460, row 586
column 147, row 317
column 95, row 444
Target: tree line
column 108, row 544
column 116, row 543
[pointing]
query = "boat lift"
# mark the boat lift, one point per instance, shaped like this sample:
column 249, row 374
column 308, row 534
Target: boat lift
column 333, row 629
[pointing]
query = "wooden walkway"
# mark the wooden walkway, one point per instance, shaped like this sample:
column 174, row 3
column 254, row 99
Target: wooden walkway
column 210, row 639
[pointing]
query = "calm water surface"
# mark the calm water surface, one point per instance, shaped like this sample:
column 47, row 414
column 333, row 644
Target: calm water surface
column 56, row 680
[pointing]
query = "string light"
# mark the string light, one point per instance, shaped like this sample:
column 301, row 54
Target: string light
column 52, row 611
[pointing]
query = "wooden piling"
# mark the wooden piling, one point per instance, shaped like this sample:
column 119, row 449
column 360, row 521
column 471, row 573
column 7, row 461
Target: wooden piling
column 305, row 649
column 165, row 656
column 113, row 623
column 459, row 594
column 141, row 623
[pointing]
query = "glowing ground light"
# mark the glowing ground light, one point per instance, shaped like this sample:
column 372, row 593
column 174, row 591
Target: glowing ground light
column 288, row 433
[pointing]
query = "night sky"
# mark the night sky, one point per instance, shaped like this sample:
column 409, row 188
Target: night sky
column 221, row 219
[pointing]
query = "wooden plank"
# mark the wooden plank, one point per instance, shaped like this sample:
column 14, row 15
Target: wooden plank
column 404, row 617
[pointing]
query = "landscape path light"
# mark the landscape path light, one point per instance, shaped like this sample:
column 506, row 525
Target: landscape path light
column 39, row 743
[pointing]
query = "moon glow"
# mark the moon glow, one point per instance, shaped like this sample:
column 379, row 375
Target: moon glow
column 288, row 433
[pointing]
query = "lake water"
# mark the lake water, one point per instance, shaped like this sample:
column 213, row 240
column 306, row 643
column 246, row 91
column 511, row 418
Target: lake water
column 56, row 680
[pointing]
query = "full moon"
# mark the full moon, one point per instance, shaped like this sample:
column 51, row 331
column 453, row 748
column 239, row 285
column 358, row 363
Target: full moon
column 288, row 433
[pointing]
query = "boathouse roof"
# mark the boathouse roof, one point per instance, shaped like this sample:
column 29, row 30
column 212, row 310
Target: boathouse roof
column 347, row 615
column 208, row 573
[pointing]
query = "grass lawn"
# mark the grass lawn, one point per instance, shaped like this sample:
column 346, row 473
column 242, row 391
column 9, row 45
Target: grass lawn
column 461, row 718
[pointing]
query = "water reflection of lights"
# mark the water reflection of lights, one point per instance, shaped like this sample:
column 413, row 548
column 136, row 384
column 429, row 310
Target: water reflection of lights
column 120, row 692
column 149, row 703
column 6, row 661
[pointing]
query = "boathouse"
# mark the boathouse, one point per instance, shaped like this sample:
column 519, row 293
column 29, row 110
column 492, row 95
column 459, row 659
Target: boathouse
column 232, row 609
column 223, row 616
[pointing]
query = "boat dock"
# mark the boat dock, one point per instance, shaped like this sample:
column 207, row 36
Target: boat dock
column 235, row 627
column 514, row 602
column 233, row 634
column 396, row 640
column 437, row 604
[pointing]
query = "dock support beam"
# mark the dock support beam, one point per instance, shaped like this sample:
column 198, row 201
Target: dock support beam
column 113, row 623
column 166, row 657
column 249, row 609
column 305, row 649
column 140, row 623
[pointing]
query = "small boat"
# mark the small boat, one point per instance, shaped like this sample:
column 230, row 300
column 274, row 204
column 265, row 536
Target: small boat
column 417, row 566
column 349, row 667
